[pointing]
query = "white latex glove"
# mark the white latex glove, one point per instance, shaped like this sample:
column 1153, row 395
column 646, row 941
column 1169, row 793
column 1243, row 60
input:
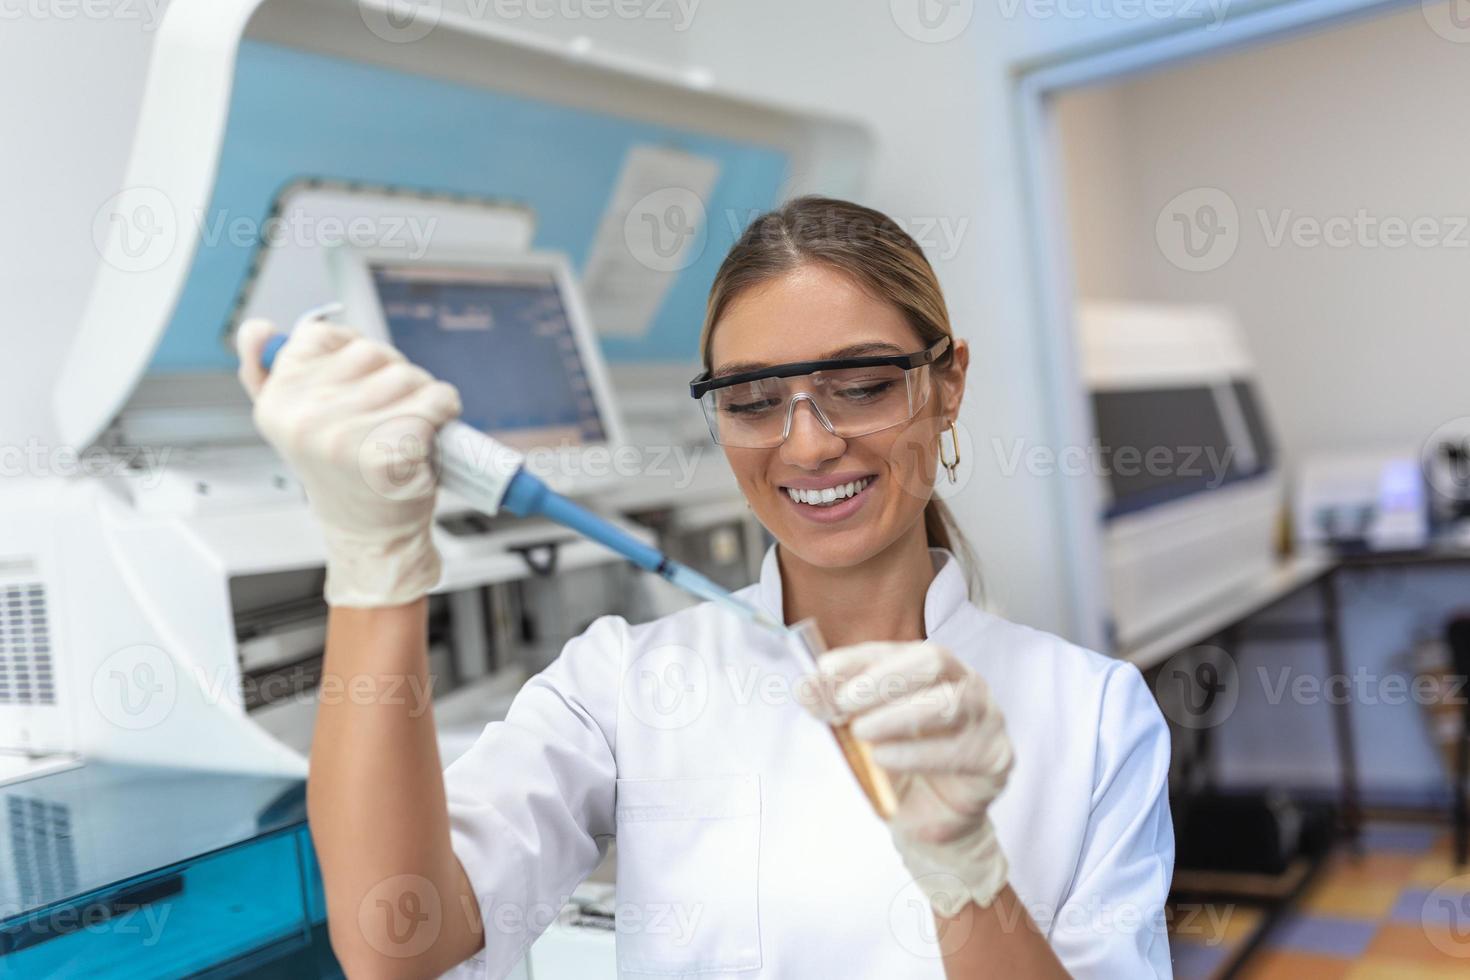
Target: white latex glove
column 933, row 725
column 356, row 422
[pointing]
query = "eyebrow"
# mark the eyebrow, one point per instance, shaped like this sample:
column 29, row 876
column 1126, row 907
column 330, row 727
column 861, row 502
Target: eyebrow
column 852, row 350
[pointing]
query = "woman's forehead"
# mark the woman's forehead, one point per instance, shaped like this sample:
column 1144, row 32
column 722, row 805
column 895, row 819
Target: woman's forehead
column 810, row 314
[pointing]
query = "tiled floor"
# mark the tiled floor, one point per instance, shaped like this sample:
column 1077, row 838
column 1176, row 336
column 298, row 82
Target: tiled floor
column 1399, row 910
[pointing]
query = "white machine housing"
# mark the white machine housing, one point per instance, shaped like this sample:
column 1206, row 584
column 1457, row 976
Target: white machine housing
column 1206, row 518
column 156, row 562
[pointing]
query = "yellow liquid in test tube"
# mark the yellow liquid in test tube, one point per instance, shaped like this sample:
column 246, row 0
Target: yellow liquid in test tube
column 877, row 787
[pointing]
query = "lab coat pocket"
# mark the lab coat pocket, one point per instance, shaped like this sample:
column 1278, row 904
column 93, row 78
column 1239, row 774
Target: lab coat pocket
column 688, row 862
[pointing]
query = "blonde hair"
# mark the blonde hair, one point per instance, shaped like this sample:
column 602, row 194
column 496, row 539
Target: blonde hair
column 876, row 253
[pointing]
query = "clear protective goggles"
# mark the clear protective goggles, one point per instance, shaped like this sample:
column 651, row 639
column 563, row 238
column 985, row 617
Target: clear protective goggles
column 850, row 396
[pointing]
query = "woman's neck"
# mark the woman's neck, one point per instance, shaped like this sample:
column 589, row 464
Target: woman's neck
column 881, row 599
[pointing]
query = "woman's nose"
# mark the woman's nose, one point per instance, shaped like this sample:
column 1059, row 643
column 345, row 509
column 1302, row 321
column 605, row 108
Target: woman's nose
column 809, row 443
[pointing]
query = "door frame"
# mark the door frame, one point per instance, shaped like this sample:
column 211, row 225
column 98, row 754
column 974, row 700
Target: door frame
column 1036, row 84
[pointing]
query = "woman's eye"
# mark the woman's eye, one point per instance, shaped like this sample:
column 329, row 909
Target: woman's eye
column 867, row 392
column 749, row 408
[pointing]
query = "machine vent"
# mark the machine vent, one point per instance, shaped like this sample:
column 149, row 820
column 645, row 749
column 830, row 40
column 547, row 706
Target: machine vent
column 27, row 675
column 41, row 844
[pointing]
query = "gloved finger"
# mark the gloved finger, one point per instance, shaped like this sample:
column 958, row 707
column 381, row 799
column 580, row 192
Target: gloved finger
column 846, row 662
column 814, row 693
column 386, row 386
column 355, row 360
column 985, row 770
column 933, row 710
column 250, row 341
column 927, row 815
column 311, row 340
column 907, row 668
column 437, row 402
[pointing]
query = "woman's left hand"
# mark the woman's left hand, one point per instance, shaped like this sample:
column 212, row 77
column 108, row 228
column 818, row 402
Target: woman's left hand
column 932, row 723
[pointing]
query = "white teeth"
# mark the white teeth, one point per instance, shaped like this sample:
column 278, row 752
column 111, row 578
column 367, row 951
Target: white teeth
column 829, row 496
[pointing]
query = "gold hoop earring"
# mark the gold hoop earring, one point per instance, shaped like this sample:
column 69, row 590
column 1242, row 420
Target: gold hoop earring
column 951, row 465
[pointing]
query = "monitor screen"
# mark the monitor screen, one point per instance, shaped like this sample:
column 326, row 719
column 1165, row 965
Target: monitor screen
column 1160, row 444
column 504, row 338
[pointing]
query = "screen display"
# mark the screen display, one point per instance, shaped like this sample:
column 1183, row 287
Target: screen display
column 503, row 337
column 1160, row 444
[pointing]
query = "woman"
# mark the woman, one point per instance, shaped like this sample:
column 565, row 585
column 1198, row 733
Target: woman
column 745, row 847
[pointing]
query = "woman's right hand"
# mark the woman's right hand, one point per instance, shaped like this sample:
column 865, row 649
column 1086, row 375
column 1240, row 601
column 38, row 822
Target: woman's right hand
column 356, row 422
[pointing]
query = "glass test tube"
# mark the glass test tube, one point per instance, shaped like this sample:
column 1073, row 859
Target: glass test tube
column 870, row 776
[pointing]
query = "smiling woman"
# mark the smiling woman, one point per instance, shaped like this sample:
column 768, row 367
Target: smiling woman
column 831, row 281
column 1030, row 832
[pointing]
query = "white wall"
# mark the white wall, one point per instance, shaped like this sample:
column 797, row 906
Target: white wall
column 1357, row 345
column 939, row 104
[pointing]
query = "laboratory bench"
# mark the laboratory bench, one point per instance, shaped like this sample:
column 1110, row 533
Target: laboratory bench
column 131, row 871
column 1226, row 622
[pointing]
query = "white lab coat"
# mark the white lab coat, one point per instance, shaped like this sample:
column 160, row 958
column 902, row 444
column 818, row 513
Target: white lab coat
column 745, row 846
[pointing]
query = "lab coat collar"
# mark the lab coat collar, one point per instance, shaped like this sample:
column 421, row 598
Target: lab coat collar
column 948, row 593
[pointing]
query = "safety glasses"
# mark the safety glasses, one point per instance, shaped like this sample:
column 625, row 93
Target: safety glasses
column 850, row 396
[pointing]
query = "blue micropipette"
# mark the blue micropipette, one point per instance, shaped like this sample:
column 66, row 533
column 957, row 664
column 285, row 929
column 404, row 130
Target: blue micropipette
column 490, row 475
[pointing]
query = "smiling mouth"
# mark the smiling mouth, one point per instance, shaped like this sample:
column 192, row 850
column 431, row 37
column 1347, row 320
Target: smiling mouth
column 828, row 496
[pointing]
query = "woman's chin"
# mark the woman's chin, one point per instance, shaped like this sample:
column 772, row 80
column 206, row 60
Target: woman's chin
column 830, row 548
